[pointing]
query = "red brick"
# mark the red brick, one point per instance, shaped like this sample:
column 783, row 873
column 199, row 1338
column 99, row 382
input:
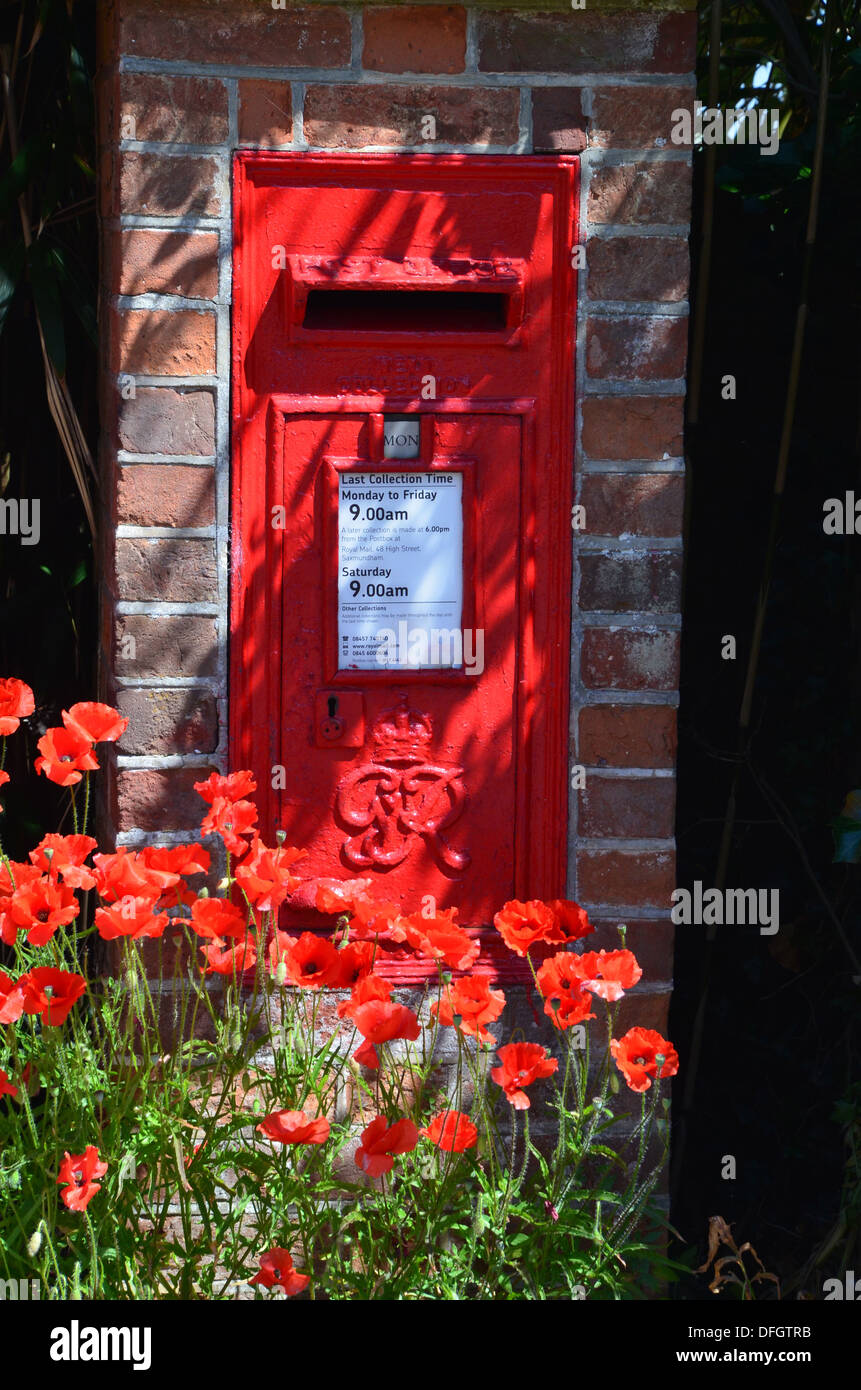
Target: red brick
column 627, row 659
column 168, row 721
column 154, row 262
column 646, row 1010
column 651, row 942
column 583, row 42
column 350, row 117
column 415, row 38
column 636, row 349
column 190, row 110
column 558, row 122
column 622, row 267
column 164, row 342
column 184, row 645
column 638, row 504
column 629, row 879
column 148, row 799
column 633, row 427
column 168, row 494
column 107, row 97
column 627, row 808
column 159, row 420
column 639, row 193
column 171, row 185
column 181, row 571
column 637, row 117
column 227, row 31
column 265, row 112
column 627, row 736
column 675, row 50
column 632, row 582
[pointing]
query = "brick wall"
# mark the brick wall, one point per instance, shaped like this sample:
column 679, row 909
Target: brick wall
column 182, row 84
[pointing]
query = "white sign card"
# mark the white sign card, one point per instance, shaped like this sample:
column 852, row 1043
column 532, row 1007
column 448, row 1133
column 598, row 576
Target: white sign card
column 400, row 570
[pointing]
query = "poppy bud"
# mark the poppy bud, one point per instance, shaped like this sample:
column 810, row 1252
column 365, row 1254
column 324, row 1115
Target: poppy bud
column 281, row 836
column 280, row 973
column 203, row 893
column 551, row 1210
column 34, row 1243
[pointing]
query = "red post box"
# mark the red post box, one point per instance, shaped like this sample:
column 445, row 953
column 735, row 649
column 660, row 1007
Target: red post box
column 402, row 479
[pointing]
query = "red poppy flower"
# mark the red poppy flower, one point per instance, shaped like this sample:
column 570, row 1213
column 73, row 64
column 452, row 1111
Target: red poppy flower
column 374, row 920
column 381, row 1021
column 186, row 860
column 231, row 820
column 635, row 1055
column 217, row 917
column 440, row 938
column 571, row 920
column 264, row 874
column 80, row 1171
column 355, row 961
column 132, row 917
column 276, row 1271
column 229, row 957
column 179, row 861
column 295, row 1127
column 12, row 877
column 16, row 702
column 521, row 925
column 98, row 723
column 559, row 983
column 380, row 1142
column 365, row 990
column 339, row 895
column 40, row 907
column 451, row 1131
column 236, row 786
column 608, row 973
column 51, row 993
column 474, row 1003
column 65, row 858
column 126, row 874
column 65, row 757
column 7, row 1089
column 311, row 961
column 11, row 999
column 522, row 1063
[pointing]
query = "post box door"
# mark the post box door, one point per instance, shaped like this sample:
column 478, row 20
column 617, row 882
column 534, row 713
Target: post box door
column 401, row 558
column 399, row 704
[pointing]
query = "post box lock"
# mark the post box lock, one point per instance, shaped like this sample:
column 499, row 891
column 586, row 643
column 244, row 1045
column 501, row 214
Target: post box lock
column 339, row 719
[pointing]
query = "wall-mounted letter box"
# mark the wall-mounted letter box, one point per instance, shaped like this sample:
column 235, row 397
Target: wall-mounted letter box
column 401, row 510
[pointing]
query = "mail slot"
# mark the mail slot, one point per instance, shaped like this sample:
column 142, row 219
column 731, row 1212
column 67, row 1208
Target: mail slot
column 402, row 467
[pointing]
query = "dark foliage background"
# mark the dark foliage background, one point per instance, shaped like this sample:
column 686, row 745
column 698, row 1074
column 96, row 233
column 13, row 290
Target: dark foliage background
column 776, row 1085
column 47, row 198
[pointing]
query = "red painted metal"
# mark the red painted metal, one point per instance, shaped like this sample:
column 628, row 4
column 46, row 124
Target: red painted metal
column 436, row 781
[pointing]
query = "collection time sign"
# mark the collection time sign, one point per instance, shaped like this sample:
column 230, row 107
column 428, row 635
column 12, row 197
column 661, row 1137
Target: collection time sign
column 400, row 562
